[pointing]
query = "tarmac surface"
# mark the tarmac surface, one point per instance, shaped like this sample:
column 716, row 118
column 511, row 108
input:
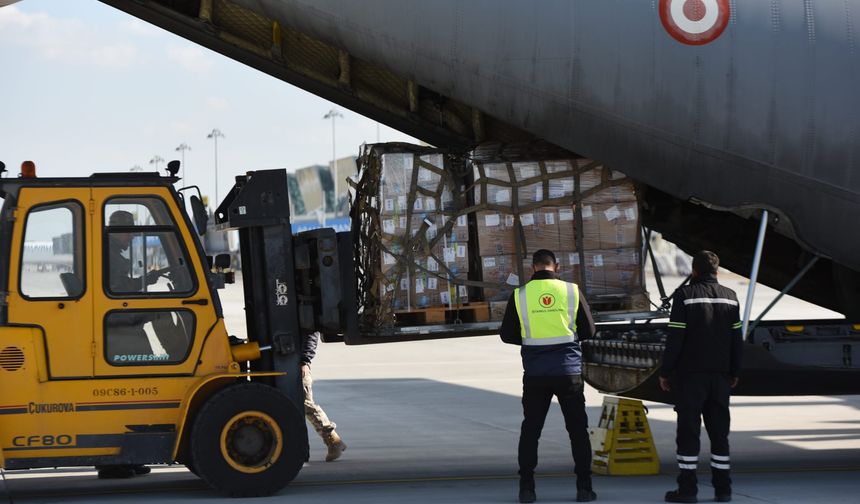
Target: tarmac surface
column 438, row 421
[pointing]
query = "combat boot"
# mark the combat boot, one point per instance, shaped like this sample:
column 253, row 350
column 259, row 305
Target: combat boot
column 335, row 445
column 678, row 496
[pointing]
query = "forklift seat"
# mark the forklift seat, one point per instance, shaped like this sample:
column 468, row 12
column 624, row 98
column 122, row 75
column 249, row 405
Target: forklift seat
column 73, row 285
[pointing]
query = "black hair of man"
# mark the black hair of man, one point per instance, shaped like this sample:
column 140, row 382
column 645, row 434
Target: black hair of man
column 706, row 263
column 121, row 218
column 543, row 257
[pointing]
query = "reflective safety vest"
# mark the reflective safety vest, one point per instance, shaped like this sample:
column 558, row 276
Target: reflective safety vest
column 547, row 311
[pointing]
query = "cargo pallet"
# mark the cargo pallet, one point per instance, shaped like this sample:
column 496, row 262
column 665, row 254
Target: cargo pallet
column 471, row 312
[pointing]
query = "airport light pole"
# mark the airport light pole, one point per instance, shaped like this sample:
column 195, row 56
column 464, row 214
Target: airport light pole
column 155, row 160
column 181, row 149
column 214, row 135
column 333, row 114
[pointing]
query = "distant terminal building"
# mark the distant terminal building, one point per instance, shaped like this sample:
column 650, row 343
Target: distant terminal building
column 312, row 191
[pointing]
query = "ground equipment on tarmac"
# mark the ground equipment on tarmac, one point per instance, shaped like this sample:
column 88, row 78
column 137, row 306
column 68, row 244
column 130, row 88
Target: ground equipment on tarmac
column 622, row 440
column 113, row 348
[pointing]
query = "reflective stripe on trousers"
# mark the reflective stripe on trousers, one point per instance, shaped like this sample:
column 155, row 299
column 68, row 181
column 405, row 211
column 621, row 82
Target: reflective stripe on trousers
column 687, row 462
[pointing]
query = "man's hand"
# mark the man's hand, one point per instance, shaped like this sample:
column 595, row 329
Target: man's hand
column 733, row 381
column 305, row 370
column 664, row 384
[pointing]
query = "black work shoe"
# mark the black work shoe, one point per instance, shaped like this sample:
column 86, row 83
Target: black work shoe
column 116, row 472
column 676, row 496
column 140, row 470
column 585, row 496
column 527, row 495
column 723, row 497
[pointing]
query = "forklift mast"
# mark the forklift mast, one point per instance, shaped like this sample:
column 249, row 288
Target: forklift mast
column 293, row 285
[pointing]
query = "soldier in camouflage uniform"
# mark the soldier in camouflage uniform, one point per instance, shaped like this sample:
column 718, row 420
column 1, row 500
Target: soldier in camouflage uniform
column 313, row 412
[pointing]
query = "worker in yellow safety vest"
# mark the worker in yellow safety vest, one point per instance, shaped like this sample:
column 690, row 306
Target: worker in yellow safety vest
column 549, row 317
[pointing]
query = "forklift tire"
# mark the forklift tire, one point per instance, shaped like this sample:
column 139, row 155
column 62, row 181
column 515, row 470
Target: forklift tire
column 245, row 441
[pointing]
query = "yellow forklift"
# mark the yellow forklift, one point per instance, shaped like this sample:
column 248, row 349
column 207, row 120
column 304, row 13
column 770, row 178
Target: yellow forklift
column 113, row 348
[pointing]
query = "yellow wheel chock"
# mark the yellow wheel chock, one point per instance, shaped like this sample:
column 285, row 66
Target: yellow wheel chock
column 622, row 441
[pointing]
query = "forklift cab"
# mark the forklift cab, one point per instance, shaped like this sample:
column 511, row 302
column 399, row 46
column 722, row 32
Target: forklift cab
column 109, row 274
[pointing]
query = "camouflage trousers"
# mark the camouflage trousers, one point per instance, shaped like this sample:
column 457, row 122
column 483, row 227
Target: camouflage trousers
column 313, row 412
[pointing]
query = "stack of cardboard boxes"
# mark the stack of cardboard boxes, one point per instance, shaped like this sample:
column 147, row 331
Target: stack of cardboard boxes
column 423, row 245
column 610, row 234
column 509, row 231
column 520, row 218
column 425, row 249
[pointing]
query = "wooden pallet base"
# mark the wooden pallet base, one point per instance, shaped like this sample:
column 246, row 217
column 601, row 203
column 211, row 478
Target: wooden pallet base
column 472, row 312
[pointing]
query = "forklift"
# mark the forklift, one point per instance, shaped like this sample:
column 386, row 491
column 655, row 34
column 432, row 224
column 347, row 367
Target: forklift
column 113, row 348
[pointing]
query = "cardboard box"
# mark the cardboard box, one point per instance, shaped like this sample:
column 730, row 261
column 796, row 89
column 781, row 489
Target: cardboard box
column 610, row 225
column 495, row 186
column 566, row 228
column 551, row 228
column 540, row 229
column 569, row 266
column 504, row 272
column 622, row 191
column 496, row 233
column 532, row 188
column 613, row 271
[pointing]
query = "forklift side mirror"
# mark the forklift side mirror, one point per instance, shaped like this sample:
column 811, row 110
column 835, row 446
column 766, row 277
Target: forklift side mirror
column 222, row 261
column 201, row 218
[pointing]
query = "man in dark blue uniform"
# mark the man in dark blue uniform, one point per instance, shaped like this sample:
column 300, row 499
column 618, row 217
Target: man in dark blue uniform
column 700, row 366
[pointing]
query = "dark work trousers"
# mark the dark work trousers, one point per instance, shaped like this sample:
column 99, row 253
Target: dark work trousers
column 702, row 396
column 537, row 396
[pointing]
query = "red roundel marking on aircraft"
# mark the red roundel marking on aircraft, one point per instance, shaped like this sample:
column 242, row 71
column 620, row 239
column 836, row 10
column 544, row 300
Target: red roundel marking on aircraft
column 695, row 22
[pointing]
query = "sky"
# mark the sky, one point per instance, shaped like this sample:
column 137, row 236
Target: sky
column 86, row 88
